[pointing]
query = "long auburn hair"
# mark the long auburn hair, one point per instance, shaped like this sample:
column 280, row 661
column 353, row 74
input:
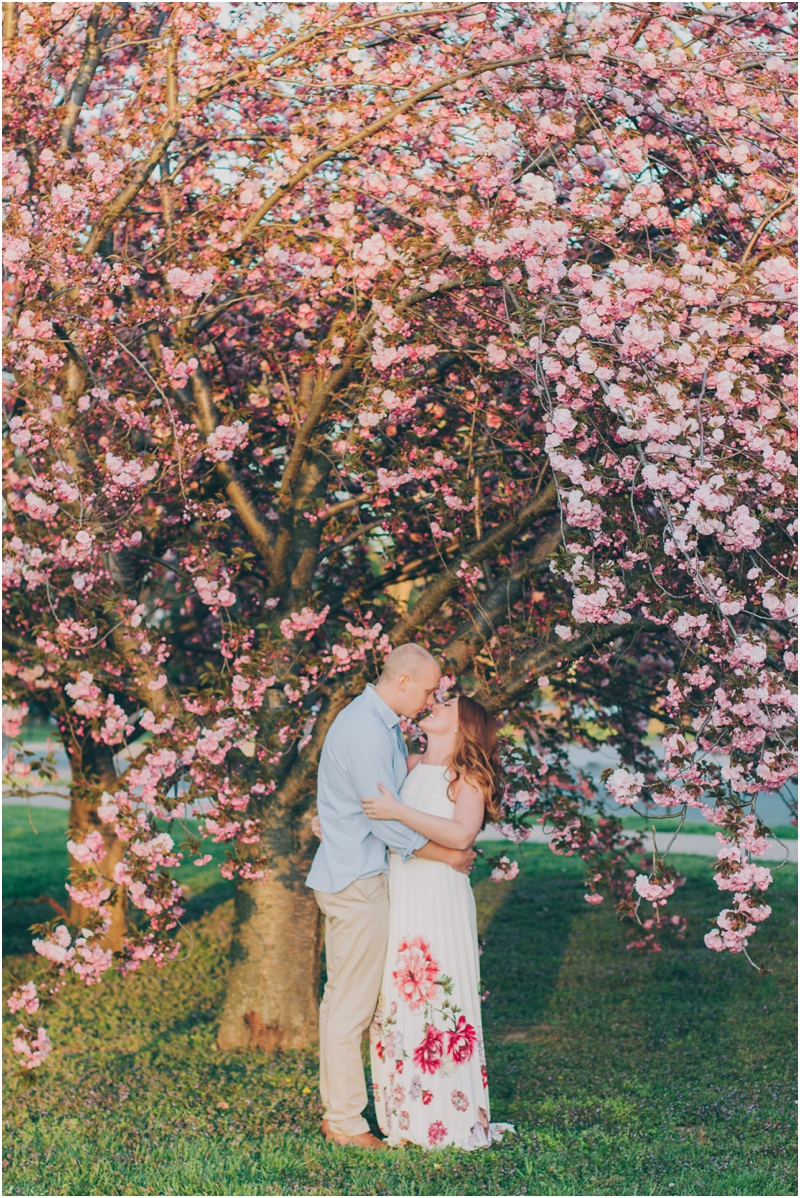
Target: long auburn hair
column 476, row 757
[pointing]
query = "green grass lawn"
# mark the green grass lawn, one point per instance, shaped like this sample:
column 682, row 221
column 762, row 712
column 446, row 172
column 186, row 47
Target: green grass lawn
column 623, row 1074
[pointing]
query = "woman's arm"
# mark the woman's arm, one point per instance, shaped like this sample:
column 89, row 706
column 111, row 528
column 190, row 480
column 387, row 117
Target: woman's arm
column 456, row 833
column 461, row 860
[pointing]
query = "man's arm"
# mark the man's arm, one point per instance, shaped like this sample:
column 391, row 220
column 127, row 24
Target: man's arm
column 367, row 762
column 458, row 859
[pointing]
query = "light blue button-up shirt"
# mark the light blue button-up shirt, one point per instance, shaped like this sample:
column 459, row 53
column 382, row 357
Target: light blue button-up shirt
column 364, row 746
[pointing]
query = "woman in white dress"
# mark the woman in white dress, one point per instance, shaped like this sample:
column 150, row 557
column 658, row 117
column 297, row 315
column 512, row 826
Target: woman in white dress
column 426, row 1042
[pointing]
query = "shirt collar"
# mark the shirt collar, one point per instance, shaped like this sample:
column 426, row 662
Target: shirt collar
column 390, row 718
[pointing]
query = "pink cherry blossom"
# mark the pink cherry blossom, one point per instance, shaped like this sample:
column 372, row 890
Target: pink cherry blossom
column 192, row 285
column 505, row 870
column 33, row 1049
column 25, row 998
column 225, row 440
column 91, row 848
column 625, row 786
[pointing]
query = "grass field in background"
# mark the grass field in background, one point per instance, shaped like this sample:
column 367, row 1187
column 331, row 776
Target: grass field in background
column 623, row 1074
column 637, row 823
column 35, row 862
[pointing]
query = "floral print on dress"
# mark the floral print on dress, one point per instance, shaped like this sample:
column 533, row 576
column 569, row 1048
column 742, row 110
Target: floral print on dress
column 416, row 973
column 461, row 1042
column 420, row 983
column 448, row 1039
column 436, row 1133
column 428, row 1055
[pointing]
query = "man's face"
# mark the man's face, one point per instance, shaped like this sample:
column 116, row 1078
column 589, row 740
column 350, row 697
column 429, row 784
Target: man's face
column 418, row 692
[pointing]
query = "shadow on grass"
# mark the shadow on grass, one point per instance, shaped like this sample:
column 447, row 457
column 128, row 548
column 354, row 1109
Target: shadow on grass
column 526, row 937
column 207, row 900
column 18, row 915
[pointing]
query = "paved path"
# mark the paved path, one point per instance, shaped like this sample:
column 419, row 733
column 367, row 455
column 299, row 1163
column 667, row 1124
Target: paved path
column 695, row 843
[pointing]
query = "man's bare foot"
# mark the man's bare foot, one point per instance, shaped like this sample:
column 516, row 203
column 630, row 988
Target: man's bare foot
column 364, row 1139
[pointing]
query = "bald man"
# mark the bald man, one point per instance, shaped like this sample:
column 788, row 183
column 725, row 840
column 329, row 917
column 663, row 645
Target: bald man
column 349, row 875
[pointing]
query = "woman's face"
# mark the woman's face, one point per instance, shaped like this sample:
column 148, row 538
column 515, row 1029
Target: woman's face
column 443, row 718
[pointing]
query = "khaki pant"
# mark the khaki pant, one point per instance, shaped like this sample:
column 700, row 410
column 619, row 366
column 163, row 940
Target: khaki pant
column 356, row 931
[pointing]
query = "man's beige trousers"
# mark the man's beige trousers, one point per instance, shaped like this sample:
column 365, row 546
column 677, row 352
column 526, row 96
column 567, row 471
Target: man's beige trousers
column 356, row 929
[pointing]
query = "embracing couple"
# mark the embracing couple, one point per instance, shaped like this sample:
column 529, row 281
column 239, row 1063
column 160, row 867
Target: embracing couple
column 402, row 950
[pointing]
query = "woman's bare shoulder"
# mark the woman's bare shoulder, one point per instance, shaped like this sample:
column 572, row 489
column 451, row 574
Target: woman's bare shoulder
column 467, row 794
column 412, row 760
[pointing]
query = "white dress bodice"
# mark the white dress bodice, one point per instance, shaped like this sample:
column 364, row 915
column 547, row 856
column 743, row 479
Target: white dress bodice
column 425, row 789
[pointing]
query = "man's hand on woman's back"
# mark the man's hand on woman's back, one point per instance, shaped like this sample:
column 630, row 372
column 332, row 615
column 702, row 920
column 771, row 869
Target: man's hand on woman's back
column 464, row 860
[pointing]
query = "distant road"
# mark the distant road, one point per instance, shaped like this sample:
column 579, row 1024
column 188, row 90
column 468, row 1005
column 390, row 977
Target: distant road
column 696, row 844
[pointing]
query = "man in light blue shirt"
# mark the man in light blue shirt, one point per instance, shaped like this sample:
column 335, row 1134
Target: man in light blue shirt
column 363, row 747
column 349, row 874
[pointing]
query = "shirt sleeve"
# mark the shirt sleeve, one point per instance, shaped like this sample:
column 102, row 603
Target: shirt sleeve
column 367, row 765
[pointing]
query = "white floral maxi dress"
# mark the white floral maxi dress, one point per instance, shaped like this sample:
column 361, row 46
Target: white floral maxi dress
column 426, row 1043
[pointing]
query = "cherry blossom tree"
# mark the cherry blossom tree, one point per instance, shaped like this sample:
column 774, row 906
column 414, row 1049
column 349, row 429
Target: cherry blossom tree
column 335, row 326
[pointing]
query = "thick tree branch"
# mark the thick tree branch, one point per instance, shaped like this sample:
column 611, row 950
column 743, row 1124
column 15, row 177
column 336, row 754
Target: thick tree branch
column 321, row 397
column 127, row 194
column 96, row 41
column 10, row 23
column 344, row 505
column 172, row 73
column 435, row 595
column 310, row 492
column 235, row 491
column 753, row 242
column 546, row 656
column 352, row 537
column 498, row 604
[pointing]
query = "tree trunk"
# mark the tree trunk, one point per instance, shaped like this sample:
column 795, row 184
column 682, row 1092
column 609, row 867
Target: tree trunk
column 272, row 999
column 273, row 986
column 94, row 765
